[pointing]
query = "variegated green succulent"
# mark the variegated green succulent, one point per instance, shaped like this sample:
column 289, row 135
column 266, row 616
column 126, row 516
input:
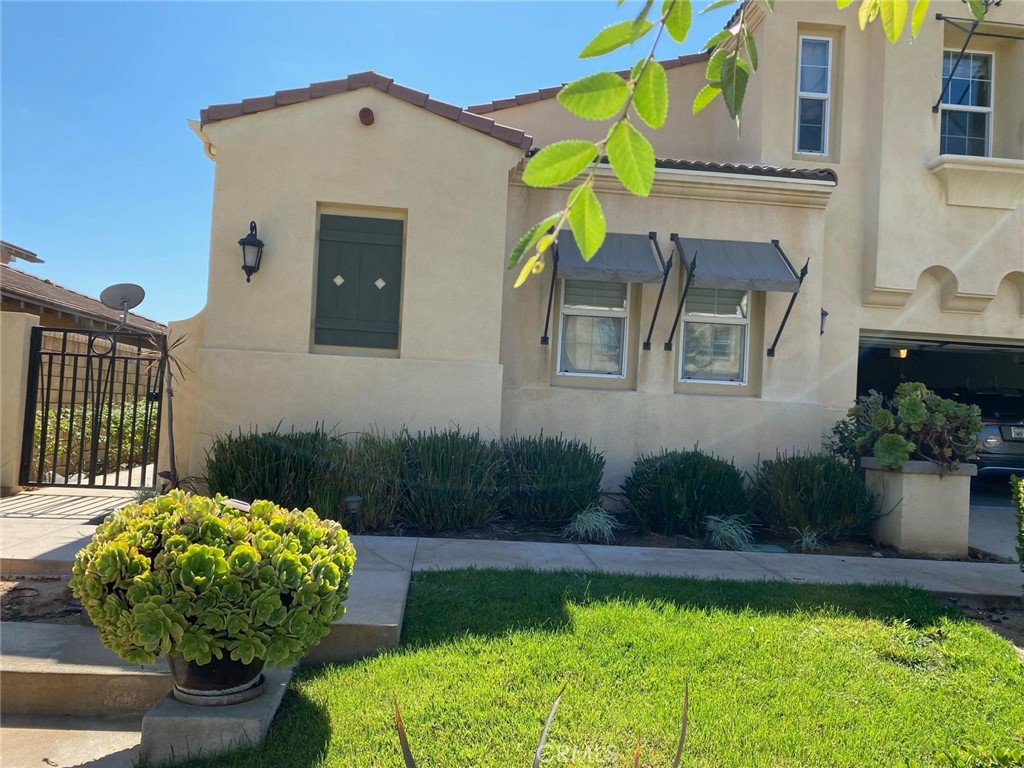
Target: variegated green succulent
column 189, row 574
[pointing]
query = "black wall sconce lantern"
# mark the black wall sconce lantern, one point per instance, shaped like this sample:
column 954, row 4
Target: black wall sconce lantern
column 824, row 318
column 252, row 250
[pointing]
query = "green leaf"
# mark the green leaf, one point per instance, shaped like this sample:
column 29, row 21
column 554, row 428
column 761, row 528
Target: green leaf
column 704, row 97
column 716, row 39
column 920, row 12
column 713, row 73
column 678, row 15
column 587, row 221
column 748, row 39
column 977, row 9
column 771, row 5
column 718, row 4
column 840, row 4
column 894, row 17
column 595, row 97
column 559, row 162
column 615, row 36
column 650, row 95
column 527, row 241
column 867, row 12
column 642, row 16
column 735, row 73
column 631, row 156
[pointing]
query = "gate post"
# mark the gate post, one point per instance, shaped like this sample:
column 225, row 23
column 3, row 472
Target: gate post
column 15, row 340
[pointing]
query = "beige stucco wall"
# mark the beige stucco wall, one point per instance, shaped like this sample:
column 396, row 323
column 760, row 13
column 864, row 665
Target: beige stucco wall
column 184, row 339
column 255, row 367
column 15, row 337
column 656, row 413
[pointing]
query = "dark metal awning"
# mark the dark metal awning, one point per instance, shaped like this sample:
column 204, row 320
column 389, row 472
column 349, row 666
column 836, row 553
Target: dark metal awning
column 620, row 259
column 736, row 265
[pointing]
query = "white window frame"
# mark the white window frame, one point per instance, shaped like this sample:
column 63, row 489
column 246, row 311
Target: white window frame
column 593, row 312
column 717, row 320
column 989, row 110
column 826, row 97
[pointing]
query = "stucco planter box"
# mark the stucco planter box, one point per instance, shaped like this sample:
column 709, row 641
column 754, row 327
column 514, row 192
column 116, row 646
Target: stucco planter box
column 929, row 510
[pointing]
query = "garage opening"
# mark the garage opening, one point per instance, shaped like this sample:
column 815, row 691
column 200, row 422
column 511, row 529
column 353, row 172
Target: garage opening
column 990, row 376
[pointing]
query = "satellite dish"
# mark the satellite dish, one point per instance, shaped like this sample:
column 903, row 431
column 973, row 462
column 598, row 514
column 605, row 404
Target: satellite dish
column 123, row 296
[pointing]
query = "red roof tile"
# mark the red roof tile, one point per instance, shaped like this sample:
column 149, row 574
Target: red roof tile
column 507, row 134
column 547, row 93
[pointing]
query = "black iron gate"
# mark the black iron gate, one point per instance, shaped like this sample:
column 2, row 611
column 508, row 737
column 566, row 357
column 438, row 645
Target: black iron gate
column 92, row 413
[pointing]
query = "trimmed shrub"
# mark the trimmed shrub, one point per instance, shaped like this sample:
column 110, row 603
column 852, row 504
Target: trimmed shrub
column 452, row 481
column 673, row 492
column 1017, row 492
column 549, row 480
column 810, row 493
column 273, row 465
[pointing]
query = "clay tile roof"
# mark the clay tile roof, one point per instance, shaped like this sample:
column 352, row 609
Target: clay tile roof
column 550, row 92
column 808, row 174
column 16, row 285
column 507, row 134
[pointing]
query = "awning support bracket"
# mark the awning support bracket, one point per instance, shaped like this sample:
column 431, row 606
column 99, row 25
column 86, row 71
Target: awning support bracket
column 690, row 269
column 666, row 267
column 792, row 300
column 551, row 297
column 949, row 78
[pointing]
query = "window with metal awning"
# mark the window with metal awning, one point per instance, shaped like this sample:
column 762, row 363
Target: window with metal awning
column 622, row 258
column 736, row 265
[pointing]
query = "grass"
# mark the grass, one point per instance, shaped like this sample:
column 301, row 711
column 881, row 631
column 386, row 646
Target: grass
column 779, row 674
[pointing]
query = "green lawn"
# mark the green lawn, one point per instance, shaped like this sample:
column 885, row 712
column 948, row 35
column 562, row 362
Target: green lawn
column 780, row 675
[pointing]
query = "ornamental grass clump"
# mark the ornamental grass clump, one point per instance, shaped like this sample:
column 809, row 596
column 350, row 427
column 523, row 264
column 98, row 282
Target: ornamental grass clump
column 196, row 576
column 548, row 480
column 916, row 425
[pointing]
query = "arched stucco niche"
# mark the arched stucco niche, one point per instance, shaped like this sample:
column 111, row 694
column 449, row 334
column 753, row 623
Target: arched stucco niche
column 937, row 285
column 1013, row 283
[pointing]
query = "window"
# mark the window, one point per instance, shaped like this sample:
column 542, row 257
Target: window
column 715, row 335
column 813, row 95
column 359, row 281
column 592, row 341
column 966, row 105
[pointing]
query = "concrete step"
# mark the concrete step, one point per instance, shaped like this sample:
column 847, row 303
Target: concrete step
column 63, row 669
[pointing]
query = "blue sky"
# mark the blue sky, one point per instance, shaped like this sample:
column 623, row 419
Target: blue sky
column 99, row 173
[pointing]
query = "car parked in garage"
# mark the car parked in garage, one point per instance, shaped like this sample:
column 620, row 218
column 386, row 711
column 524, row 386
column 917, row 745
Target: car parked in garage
column 1002, row 438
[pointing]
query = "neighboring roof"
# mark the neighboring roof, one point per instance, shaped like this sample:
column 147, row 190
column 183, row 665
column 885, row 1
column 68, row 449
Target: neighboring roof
column 9, row 252
column 548, row 93
column 509, row 135
column 23, row 287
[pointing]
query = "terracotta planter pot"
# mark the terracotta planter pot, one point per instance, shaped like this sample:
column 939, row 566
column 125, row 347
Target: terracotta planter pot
column 222, row 681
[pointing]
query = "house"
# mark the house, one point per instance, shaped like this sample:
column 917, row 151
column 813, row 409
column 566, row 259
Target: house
column 383, row 300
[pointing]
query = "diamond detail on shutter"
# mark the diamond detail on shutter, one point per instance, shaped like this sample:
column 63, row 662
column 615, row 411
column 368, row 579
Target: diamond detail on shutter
column 379, row 282
column 338, row 280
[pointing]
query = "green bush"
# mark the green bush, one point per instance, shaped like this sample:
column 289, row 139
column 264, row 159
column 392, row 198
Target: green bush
column 674, row 491
column 290, row 468
column 549, row 479
column 1017, row 491
column 451, row 481
column 122, row 437
column 810, row 492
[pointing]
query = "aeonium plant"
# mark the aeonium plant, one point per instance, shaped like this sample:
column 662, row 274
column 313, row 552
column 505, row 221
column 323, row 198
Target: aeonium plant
column 189, row 574
column 916, row 424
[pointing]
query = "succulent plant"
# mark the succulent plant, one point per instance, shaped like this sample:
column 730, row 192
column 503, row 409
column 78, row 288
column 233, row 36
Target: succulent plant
column 194, row 575
column 916, row 424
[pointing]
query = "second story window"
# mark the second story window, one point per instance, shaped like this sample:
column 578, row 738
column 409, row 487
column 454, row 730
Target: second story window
column 813, row 95
column 967, row 105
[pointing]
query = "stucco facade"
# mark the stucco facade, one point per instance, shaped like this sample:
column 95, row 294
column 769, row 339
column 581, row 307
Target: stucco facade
column 906, row 242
